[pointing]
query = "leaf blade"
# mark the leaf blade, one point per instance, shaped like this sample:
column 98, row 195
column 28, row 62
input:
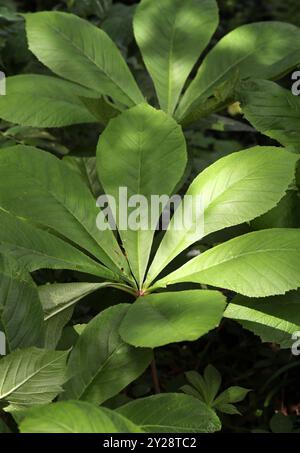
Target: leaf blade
column 172, row 35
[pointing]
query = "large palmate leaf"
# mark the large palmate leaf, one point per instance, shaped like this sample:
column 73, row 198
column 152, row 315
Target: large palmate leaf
column 160, row 319
column 43, row 101
column 32, row 376
column 37, row 249
column 148, row 158
column 52, row 195
column 263, row 50
column 272, row 110
column 58, row 301
column 258, row 264
column 235, row 189
column 275, row 319
column 78, row 51
column 171, row 413
column 171, row 35
column 21, row 314
column 101, row 363
column 75, row 417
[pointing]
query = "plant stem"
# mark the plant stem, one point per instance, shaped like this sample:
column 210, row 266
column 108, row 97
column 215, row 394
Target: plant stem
column 125, row 288
column 155, row 379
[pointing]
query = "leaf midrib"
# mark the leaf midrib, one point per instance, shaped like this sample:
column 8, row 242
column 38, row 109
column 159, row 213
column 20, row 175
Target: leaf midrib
column 235, row 257
column 64, row 36
column 35, row 373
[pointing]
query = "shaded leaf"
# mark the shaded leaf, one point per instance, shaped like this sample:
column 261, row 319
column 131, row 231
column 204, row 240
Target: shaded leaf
column 101, row 364
column 160, row 319
column 43, row 101
column 21, row 313
column 171, row 413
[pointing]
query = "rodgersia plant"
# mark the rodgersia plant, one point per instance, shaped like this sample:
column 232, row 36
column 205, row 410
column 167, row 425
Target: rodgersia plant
column 48, row 218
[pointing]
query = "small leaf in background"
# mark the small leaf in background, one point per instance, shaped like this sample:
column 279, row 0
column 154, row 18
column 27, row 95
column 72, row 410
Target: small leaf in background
column 213, row 380
column 280, row 423
column 207, row 388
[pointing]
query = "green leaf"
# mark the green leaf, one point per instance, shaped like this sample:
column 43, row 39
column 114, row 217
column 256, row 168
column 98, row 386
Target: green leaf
column 58, row 297
column 272, row 110
column 263, row 50
column 149, row 159
column 78, row 51
column 54, row 328
column 197, row 381
column 171, row 413
column 274, row 319
column 4, row 429
column 280, row 423
column 54, row 196
column 101, row 364
column 285, row 215
column 223, row 96
column 227, row 408
column 160, row 319
column 32, row 376
column 213, row 381
column 86, row 168
column 21, row 313
column 235, row 189
column 189, row 390
column 58, row 302
column 101, row 109
column 75, row 417
column 43, row 101
column 231, row 395
column 37, row 249
column 171, row 35
column 258, row 264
